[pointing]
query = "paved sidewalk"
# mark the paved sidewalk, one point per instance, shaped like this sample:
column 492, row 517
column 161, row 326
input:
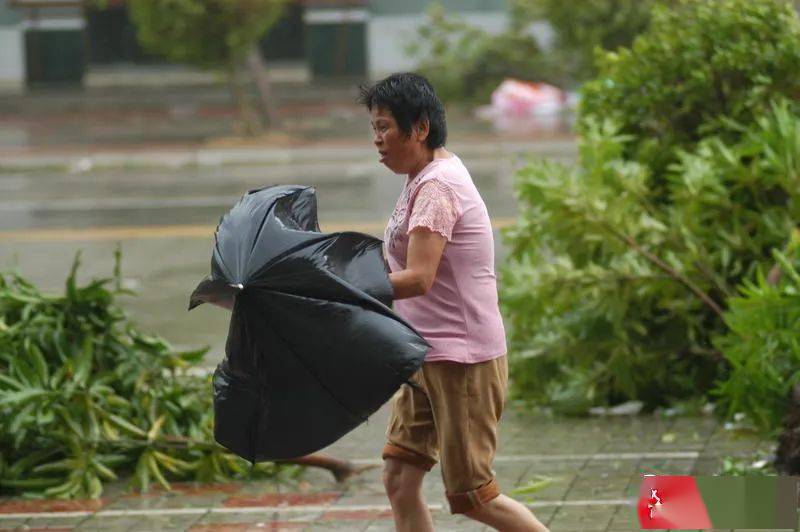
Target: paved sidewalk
column 595, row 464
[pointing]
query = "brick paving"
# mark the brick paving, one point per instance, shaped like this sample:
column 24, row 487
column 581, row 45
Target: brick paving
column 595, row 465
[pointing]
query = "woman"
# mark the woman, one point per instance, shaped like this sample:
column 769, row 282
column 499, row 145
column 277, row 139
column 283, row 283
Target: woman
column 440, row 250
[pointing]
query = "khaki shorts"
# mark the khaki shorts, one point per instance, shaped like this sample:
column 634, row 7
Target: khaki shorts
column 454, row 414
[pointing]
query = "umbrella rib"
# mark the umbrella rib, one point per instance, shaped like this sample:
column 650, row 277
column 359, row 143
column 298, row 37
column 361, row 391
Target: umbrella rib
column 372, row 303
column 266, row 267
column 270, row 210
column 313, row 374
column 380, row 307
column 376, row 304
column 220, row 259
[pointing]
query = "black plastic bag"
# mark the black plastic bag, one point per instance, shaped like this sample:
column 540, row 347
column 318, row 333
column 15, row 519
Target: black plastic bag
column 313, row 347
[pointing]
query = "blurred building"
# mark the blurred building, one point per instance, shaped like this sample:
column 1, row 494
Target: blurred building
column 53, row 47
column 47, row 42
column 12, row 68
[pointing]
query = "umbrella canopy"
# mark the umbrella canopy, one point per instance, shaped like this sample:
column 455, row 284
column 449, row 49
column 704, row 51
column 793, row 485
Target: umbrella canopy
column 313, row 347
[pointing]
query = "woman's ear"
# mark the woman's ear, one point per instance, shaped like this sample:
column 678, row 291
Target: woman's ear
column 422, row 129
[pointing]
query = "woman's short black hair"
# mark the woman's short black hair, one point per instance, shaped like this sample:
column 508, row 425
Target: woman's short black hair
column 410, row 98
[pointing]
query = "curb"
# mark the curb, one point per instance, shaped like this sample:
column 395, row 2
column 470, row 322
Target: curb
column 82, row 161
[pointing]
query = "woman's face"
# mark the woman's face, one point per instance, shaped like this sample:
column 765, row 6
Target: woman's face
column 401, row 154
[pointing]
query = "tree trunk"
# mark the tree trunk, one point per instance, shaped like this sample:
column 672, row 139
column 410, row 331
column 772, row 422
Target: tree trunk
column 787, row 456
column 260, row 75
column 248, row 119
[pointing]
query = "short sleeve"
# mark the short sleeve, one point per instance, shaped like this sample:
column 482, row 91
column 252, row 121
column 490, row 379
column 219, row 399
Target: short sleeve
column 436, row 208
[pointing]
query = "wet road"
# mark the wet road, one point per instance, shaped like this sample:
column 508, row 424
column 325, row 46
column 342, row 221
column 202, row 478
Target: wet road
column 163, row 219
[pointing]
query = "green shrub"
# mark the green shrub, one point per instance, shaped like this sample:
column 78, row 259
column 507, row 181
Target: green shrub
column 85, row 397
column 588, row 315
column 466, row 63
column 701, row 68
column 762, row 345
column 621, row 268
column 613, row 290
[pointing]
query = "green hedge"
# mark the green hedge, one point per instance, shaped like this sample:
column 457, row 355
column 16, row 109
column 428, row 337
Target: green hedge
column 622, row 268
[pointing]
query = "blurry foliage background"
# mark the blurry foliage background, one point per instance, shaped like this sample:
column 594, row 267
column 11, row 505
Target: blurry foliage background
column 214, row 34
column 640, row 273
column 466, row 64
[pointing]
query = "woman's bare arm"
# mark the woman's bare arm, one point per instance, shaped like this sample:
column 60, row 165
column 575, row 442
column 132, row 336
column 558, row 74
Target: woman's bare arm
column 425, row 249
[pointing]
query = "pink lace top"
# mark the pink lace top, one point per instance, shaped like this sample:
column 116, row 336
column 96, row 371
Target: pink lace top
column 436, row 208
column 459, row 315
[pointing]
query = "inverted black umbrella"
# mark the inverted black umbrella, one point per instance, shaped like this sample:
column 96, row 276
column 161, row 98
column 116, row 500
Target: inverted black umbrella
column 313, row 347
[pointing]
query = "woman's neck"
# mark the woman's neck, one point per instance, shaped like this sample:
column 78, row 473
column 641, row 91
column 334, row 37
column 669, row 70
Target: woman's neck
column 427, row 157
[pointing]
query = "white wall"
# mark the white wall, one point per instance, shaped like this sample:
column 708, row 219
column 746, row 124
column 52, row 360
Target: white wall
column 12, row 62
column 388, row 36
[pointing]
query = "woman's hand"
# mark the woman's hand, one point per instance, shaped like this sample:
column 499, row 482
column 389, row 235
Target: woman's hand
column 422, row 261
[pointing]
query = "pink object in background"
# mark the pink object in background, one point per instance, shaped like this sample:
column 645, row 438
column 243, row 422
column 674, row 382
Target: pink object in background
column 528, row 108
column 519, row 99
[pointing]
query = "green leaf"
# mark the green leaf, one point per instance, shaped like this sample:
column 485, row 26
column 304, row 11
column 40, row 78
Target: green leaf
column 65, row 464
column 28, row 483
column 11, row 382
column 83, row 362
column 40, row 365
column 154, row 468
column 104, row 471
column 22, row 418
column 142, row 473
column 127, row 426
column 15, row 398
column 155, row 430
column 72, row 291
column 534, row 486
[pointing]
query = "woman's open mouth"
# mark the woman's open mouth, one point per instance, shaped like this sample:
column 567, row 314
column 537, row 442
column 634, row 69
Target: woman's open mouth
column 382, row 156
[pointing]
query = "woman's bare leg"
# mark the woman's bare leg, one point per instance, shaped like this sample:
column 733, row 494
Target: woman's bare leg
column 504, row 513
column 403, row 483
column 340, row 469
